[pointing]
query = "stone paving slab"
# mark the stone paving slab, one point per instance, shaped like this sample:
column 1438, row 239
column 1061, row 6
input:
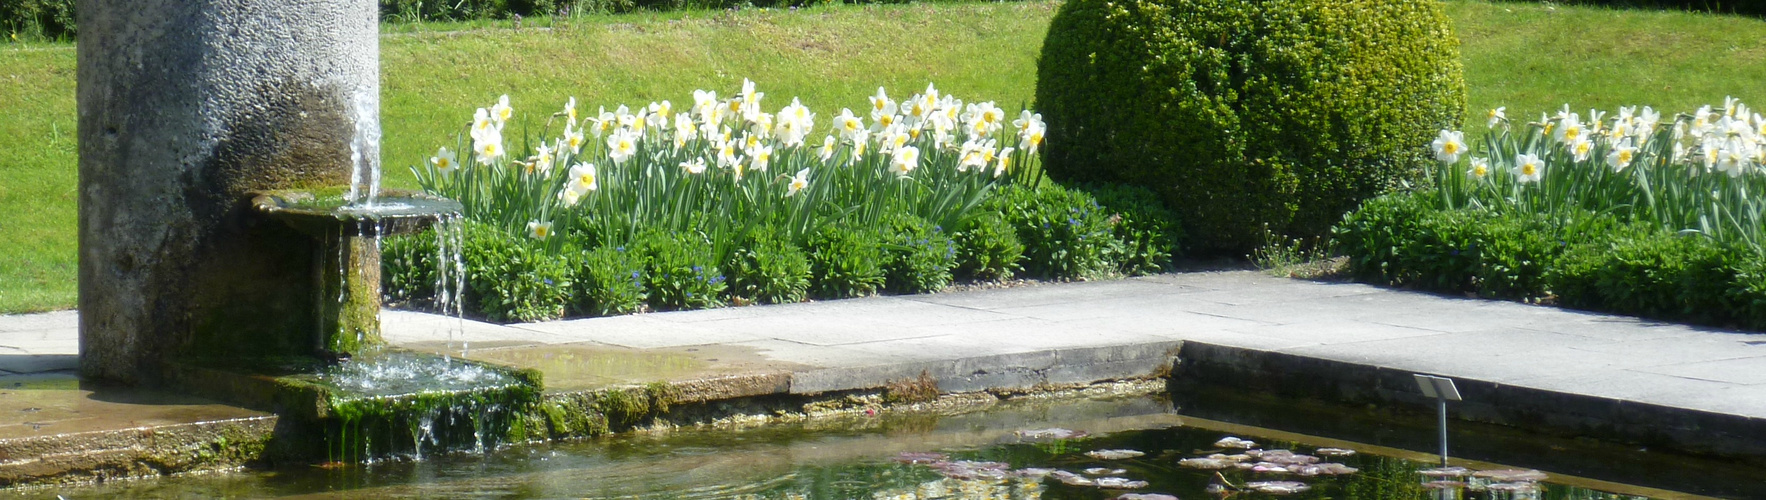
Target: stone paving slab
column 1042, row 333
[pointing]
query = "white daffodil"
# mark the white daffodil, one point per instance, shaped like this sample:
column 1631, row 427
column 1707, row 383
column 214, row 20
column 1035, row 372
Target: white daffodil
column 488, row 146
column 1581, row 148
column 1711, row 154
column 657, row 116
column 685, row 131
column 847, row 125
column 542, row 160
column 798, row 182
column 829, row 144
column 604, row 123
column 694, row 166
column 1528, row 168
column 1621, row 156
column 861, row 142
column 704, row 102
column 539, row 230
column 570, row 109
column 1480, row 168
column 1026, row 121
column 570, row 197
column 1003, row 162
column 760, row 156
column 583, row 178
column 1448, row 146
column 1031, row 140
column 573, row 139
column 1734, row 158
column 880, row 103
column 726, row 155
column 905, row 160
column 482, row 123
column 622, row 145
column 1569, row 129
column 501, row 112
column 750, row 106
column 972, row 155
column 1703, row 120
column 444, row 162
column 1497, row 116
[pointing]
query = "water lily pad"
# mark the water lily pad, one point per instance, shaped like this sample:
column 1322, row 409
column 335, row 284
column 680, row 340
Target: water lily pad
column 1233, row 442
column 1205, row 463
column 1446, row 472
column 1033, row 472
column 1510, row 475
column 1100, row 471
column 965, row 469
column 914, row 457
column 1145, row 496
column 1283, row 457
column 1444, row 485
column 1333, row 452
column 1277, row 487
column 1120, row 483
column 1523, row 487
column 1113, row 454
column 1052, row 433
column 1071, row 479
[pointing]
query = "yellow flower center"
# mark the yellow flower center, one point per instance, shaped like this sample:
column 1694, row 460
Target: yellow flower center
column 1528, row 169
column 1451, row 148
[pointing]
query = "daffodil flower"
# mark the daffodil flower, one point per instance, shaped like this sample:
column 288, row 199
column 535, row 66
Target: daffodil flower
column 542, row 160
column 573, row 139
column 570, row 110
column 622, row 145
column 828, row 146
column 1497, row 116
column 694, row 166
column 1621, row 156
column 1480, row 168
column 582, row 178
column 798, row 182
column 1581, row 148
column 905, row 160
column 488, row 146
column 604, row 123
column 570, row 197
column 1003, row 163
column 1448, row 146
column 539, row 230
column 760, row 157
column 1528, row 168
column 847, row 124
column 501, row 112
column 444, row 161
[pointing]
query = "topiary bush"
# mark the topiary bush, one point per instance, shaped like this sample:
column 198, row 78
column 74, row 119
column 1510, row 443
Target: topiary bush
column 1246, row 115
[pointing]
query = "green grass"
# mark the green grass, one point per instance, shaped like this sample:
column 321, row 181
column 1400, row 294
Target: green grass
column 1526, row 56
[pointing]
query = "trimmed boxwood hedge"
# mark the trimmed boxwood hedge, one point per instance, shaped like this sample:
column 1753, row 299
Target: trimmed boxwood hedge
column 1248, row 114
column 1583, row 260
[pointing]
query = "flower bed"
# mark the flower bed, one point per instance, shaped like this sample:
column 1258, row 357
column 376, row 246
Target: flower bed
column 721, row 202
column 1627, row 213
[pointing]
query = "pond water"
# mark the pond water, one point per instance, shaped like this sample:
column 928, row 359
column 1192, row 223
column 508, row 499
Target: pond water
column 975, row 455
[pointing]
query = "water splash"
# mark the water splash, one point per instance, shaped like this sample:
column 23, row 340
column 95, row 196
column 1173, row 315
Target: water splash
column 365, row 149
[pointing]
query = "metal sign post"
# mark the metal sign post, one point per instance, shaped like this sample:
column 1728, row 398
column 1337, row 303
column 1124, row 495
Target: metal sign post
column 1442, row 389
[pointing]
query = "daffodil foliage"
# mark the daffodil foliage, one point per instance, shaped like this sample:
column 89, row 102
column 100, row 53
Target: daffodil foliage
column 1699, row 172
column 723, row 164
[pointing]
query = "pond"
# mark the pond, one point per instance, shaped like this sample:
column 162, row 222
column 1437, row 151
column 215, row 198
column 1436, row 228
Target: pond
column 1016, row 450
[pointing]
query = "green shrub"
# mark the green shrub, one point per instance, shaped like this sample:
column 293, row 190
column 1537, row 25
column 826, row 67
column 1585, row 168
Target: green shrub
column 845, row 262
column 1642, row 270
column 987, row 248
column 767, row 269
column 609, row 282
column 38, row 19
column 921, row 255
column 1374, row 235
column 680, row 271
column 1747, row 294
column 408, row 267
column 1514, row 253
column 1148, row 232
column 1248, row 115
column 512, row 278
column 1065, row 234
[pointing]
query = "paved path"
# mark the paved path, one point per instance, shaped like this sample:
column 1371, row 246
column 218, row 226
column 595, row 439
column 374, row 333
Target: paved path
column 1041, row 329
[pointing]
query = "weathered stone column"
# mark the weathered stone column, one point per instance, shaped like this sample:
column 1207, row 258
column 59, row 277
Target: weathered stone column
column 186, row 107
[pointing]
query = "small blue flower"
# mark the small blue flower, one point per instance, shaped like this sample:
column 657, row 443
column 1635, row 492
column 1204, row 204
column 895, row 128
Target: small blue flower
column 620, row 248
column 548, row 281
column 634, row 275
column 697, row 269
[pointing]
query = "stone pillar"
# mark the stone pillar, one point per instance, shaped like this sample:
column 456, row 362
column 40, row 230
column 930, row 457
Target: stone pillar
column 186, row 107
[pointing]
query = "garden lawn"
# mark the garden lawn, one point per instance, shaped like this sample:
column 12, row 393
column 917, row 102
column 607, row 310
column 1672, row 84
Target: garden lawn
column 1526, row 56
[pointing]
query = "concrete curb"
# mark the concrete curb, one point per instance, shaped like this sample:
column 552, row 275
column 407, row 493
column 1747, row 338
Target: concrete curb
column 1291, row 375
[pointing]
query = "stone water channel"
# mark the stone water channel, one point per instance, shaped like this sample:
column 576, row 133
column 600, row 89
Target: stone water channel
column 1034, row 446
